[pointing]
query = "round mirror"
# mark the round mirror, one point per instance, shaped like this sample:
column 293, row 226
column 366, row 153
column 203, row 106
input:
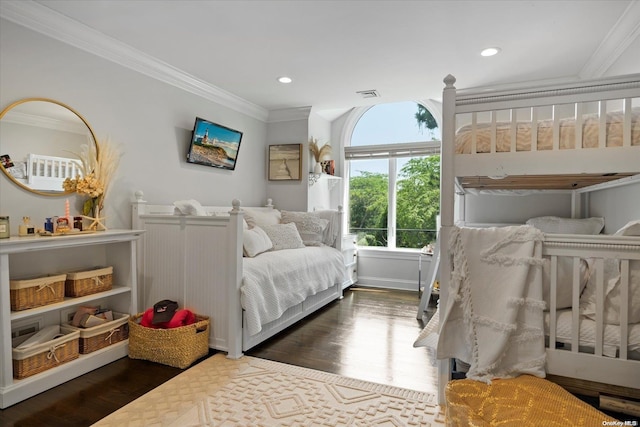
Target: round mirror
column 40, row 140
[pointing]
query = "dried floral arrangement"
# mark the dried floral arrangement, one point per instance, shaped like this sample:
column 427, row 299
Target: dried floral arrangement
column 99, row 163
column 319, row 152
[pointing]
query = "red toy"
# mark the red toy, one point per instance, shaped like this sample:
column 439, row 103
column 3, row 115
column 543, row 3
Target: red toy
column 180, row 318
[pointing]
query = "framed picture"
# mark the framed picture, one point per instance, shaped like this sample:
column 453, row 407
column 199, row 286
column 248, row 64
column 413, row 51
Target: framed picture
column 328, row 166
column 214, row 145
column 285, row 162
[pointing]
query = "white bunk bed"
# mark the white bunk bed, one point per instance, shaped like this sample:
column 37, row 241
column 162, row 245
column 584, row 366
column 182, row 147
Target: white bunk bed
column 502, row 150
column 45, row 173
column 197, row 260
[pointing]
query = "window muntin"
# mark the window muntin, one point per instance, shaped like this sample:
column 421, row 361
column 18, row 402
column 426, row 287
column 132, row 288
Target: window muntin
column 385, row 151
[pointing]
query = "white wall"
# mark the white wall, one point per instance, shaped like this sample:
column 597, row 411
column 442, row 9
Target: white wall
column 616, row 205
column 490, row 208
column 289, row 195
column 151, row 120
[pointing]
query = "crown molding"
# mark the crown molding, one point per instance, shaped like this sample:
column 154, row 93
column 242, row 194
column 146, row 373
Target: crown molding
column 619, row 38
column 45, row 122
column 39, row 18
column 289, row 114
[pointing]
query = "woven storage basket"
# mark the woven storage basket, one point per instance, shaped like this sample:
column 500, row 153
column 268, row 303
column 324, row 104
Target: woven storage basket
column 81, row 283
column 30, row 293
column 45, row 356
column 101, row 336
column 177, row 347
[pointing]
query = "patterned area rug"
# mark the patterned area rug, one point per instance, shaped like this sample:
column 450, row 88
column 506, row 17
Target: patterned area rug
column 254, row 392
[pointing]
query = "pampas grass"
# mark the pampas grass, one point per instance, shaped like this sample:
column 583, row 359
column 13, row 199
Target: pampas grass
column 317, row 151
column 108, row 159
column 99, row 163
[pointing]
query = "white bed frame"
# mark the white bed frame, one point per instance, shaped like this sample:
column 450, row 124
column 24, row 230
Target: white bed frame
column 572, row 364
column 197, row 261
column 47, row 173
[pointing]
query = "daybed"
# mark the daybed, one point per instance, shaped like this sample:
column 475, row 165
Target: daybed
column 253, row 270
column 44, row 173
column 579, row 343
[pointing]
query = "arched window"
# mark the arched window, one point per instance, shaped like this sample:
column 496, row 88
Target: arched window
column 393, row 167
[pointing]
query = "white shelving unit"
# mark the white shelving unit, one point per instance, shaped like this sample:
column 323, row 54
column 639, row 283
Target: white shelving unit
column 350, row 252
column 26, row 257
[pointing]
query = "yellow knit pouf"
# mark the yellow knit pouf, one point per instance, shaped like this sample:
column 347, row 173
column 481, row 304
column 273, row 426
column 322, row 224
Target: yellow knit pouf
column 522, row 401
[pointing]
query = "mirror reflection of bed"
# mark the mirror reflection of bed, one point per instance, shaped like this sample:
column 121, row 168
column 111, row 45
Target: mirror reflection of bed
column 41, row 139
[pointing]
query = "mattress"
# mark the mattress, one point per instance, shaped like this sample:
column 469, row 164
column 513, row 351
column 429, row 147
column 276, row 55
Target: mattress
column 588, row 334
column 523, row 401
column 590, row 134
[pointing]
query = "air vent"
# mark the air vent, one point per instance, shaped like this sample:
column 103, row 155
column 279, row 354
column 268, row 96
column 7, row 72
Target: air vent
column 368, row 93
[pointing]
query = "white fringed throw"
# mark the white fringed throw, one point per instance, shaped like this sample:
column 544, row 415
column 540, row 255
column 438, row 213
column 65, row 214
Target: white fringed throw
column 494, row 314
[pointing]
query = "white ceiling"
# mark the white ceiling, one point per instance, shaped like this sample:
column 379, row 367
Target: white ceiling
column 332, row 49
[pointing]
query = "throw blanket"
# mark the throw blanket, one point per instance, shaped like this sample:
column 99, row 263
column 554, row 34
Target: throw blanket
column 493, row 319
column 274, row 281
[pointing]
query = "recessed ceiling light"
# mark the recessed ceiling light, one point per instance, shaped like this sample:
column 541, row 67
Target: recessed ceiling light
column 285, row 79
column 490, row 51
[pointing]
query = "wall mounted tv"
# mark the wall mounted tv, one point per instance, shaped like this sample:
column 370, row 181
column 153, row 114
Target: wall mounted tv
column 214, row 145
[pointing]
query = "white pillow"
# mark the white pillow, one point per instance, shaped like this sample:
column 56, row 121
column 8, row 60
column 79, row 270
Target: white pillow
column 612, row 285
column 558, row 225
column 190, row 207
column 632, row 228
column 284, row 236
column 255, row 242
column 564, row 283
column 309, row 224
column 261, row 217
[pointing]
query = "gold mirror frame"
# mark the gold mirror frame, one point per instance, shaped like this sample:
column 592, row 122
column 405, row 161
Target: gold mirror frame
column 53, row 101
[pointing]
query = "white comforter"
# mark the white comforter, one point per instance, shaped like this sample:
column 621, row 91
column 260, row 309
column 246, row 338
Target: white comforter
column 274, row 281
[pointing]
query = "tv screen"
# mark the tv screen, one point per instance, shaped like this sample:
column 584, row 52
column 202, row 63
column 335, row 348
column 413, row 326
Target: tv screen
column 214, row 145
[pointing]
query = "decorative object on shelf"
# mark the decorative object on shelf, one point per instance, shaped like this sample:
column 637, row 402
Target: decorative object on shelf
column 26, row 229
column 319, row 153
column 98, row 167
column 4, row 227
column 328, row 167
column 285, row 162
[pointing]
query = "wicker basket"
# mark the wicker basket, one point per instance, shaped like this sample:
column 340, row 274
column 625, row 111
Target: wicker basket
column 81, row 283
column 177, row 347
column 30, row 293
column 45, row 356
column 101, row 336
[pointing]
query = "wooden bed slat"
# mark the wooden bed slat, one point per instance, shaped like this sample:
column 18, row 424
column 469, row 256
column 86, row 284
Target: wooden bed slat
column 539, row 182
column 579, row 116
column 602, row 138
column 626, row 129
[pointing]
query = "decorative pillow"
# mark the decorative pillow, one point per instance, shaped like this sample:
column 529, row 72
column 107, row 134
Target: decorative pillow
column 330, row 233
column 190, row 207
column 612, row 285
column 284, row 236
column 564, row 283
column 558, row 225
column 310, row 226
column 255, row 242
column 261, row 217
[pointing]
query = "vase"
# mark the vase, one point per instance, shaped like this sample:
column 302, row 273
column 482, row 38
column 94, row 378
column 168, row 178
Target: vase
column 317, row 168
column 96, row 220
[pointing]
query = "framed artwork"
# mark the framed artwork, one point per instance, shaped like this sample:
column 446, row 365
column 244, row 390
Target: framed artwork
column 328, row 166
column 214, row 145
column 285, row 162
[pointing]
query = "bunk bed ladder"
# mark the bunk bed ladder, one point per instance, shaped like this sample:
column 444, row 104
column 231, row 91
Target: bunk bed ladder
column 432, row 274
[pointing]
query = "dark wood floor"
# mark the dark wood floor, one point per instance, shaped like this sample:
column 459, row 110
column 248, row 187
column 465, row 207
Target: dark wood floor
column 368, row 335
